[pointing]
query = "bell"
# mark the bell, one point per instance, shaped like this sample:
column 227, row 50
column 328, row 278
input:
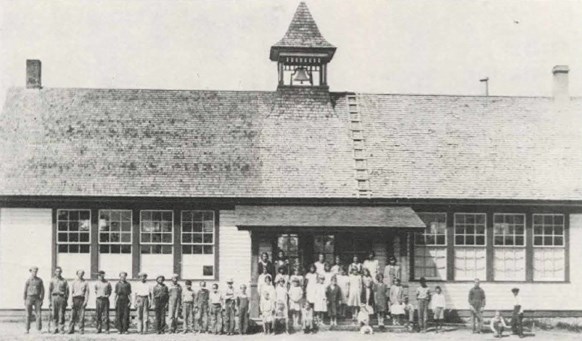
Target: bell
column 301, row 75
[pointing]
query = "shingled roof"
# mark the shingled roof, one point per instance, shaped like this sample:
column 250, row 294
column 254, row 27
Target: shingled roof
column 289, row 143
column 303, row 31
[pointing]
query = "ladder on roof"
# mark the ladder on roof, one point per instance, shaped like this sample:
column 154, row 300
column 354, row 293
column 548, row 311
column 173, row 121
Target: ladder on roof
column 362, row 175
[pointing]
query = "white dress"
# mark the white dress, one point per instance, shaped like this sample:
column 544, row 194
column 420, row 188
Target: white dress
column 343, row 282
column 355, row 282
column 320, row 303
column 372, row 266
column 311, row 284
column 295, row 296
column 319, row 267
column 327, row 276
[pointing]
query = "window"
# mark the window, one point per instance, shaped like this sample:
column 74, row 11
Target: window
column 115, row 231
column 430, row 253
column 324, row 244
column 350, row 244
column 470, row 254
column 198, row 232
column 289, row 244
column 156, row 232
column 509, row 251
column 549, row 247
column 73, row 231
column 198, row 242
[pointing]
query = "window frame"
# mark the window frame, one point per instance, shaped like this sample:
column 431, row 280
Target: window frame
column 543, row 235
column 169, row 244
column 428, row 247
column 424, row 234
column 455, row 234
column 202, row 244
column 79, row 243
column 524, row 245
column 120, row 243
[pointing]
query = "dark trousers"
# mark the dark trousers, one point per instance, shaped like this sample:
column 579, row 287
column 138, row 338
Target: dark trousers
column 59, row 307
column 142, row 305
column 33, row 303
column 160, row 311
column 476, row 318
column 122, row 312
column 243, row 321
column 517, row 321
column 229, row 316
column 215, row 319
column 422, row 313
column 173, row 310
column 201, row 318
column 102, row 310
column 77, row 314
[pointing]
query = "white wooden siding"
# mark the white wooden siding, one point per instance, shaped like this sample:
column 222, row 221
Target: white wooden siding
column 25, row 241
column 234, row 252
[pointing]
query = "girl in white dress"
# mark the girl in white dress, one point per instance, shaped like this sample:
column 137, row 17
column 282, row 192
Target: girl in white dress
column 297, row 276
column 343, row 282
column 355, row 282
column 371, row 264
column 367, row 278
column 320, row 264
column 356, row 265
column 311, row 283
column 320, row 304
column 337, row 266
column 295, row 298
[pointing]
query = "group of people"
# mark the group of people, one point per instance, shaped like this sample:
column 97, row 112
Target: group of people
column 327, row 292
column 202, row 311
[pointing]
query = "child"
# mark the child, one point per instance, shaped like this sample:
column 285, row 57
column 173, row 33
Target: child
column 297, row 276
column 311, row 279
column 391, row 272
column 334, row 299
column 423, row 299
column 267, row 312
column 201, row 308
column 216, row 302
column 229, row 308
column 160, row 294
column 517, row 316
column 364, row 321
column 337, row 266
column 282, row 275
column 295, row 296
column 397, row 310
column 282, row 262
column 366, row 277
column 268, row 288
column 371, row 264
column 354, row 293
column 320, row 264
column 281, row 314
column 409, row 310
column 188, row 307
column 243, row 309
column 320, row 302
column 381, row 294
column 356, row 265
column 438, row 307
column 396, row 293
column 307, row 318
column 343, row 282
column 367, row 298
column 497, row 324
column 281, row 294
column 327, row 274
column 262, row 280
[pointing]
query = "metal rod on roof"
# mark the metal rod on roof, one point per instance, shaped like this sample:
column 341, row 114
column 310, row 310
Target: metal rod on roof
column 486, row 81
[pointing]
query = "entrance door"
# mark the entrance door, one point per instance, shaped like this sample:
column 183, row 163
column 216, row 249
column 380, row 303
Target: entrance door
column 350, row 244
column 289, row 244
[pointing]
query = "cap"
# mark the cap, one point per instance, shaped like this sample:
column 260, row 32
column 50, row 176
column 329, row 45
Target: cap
column 162, row 277
column 101, row 272
column 123, row 273
column 230, row 280
column 33, row 268
column 515, row 290
column 142, row 274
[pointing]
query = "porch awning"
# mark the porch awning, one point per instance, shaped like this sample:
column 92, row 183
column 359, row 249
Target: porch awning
column 248, row 217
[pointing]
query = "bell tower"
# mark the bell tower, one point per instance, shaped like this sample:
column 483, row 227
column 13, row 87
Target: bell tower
column 303, row 53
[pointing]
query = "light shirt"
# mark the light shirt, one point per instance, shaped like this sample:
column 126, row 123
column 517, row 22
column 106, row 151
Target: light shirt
column 438, row 300
column 102, row 289
column 142, row 289
column 517, row 302
column 80, row 288
column 422, row 293
column 229, row 294
column 372, row 266
column 281, row 293
column 188, row 295
column 215, row 297
column 319, row 267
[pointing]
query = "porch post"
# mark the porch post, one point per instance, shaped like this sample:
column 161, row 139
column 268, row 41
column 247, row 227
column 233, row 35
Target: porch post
column 254, row 274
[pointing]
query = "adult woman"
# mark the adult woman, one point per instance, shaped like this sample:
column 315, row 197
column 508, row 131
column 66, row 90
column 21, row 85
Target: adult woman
column 356, row 265
column 282, row 262
column 265, row 263
column 337, row 266
column 371, row 264
column 320, row 264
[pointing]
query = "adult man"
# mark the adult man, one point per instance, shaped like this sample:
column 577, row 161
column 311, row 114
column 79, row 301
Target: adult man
column 80, row 297
column 102, row 293
column 33, row 297
column 517, row 317
column 59, row 296
column 174, row 302
column 142, row 302
column 122, row 303
column 477, row 304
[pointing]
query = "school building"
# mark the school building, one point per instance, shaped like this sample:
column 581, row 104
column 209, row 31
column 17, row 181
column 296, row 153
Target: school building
column 200, row 183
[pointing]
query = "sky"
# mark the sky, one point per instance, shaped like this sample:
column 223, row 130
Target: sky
column 384, row 46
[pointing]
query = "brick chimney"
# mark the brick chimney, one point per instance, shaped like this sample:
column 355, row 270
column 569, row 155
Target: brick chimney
column 561, row 93
column 33, row 73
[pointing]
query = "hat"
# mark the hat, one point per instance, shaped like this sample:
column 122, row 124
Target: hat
column 515, row 290
column 229, row 281
column 188, row 282
column 101, row 273
column 162, row 277
column 123, row 273
column 33, row 268
column 142, row 274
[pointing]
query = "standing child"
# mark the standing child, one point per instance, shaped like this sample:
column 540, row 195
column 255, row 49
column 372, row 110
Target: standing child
column 354, row 293
column 281, row 314
column 438, row 307
column 396, row 294
column 397, row 310
column 391, row 272
column 343, row 282
column 381, row 294
column 215, row 301
column 229, row 307
column 282, row 275
column 366, row 277
column 327, row 274
column 243, row 309
column 371, row 264
column 201, row 308
column 320, row 303
column 297, row 276
column 295, row 296
column 262, row 280
column 517, row 316
column 307, row 318
column 161, row 295
column 356, row 265
column 320, row 264
column 337, row 266
column 311, row 284
column 423, row 299
column 334, row 300
column 188, row 296
column 267, row 312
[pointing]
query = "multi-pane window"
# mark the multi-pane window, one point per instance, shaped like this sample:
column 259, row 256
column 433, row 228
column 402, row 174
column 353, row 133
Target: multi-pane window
column 198, row 232
column 549, row 247
column 509, row 241
column 115, row 231
column 73, row 231
column 289, row 244
column 470, row 229
column 156, row 232
column 324, row 244
column 353, row 244
column 470, row 253
column 430, row 254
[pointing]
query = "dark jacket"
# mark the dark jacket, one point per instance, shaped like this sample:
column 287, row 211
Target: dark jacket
column 370, row 300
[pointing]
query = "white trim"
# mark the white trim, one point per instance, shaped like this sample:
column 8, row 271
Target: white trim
column 213, row 233
column 435, row 235
column 171, row 243
column 68, row 232
column 99, row 242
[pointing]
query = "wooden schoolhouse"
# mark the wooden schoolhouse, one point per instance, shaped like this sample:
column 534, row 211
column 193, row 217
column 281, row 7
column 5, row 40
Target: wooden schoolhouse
column 200, row 183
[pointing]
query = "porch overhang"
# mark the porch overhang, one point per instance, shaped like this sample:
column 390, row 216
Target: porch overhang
column 374, row 217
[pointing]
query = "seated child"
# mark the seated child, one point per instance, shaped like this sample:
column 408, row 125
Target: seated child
column 364, row 320
column 307, row 318
column 267, row 312
column 497, row 324
column 409, row 310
